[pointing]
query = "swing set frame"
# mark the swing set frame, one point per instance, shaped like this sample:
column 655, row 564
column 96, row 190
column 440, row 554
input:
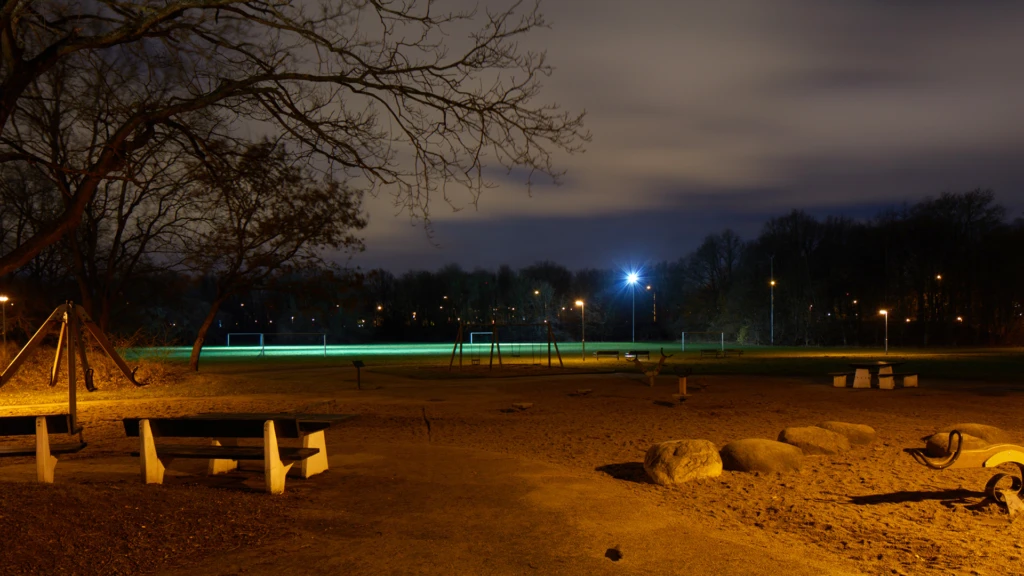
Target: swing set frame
column 457, row 349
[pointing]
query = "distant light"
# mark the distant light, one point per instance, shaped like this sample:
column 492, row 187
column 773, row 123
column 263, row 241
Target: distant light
column 938, row 276
column 908, row 320
column 632, row 278
column 772, row 282
column 242, row 304
column 884, row 312
column 536, row 292
column 959, row 319
column 445, row 297
column 380, row 307
column 4, row 299
column 854, row 301
column 579, row 302
column 648, row 286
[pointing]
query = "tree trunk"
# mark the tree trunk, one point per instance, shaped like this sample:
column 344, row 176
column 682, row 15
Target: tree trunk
column 197, row 346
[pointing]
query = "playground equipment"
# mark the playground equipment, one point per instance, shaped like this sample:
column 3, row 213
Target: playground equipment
column 652, row 371
column 71, row 320
column 514, row 333
column 987, row 457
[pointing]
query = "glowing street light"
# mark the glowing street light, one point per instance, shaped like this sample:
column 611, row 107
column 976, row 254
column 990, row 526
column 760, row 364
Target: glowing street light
column 583, row 328
column 886, row 314
column 632, row 278
column 3, row 304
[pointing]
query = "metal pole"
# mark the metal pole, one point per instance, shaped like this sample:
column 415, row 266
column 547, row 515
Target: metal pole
column 5, row 324
column 772, row 321
column 583, row 329
column 887, row 334
column 634, row 313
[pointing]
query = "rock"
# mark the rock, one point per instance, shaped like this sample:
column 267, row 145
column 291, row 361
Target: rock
column 679, row 461
column 815, row 440
column 989, row 434
column 759, row 455
column 522, row 405
column 855, row 433
column 936, row 444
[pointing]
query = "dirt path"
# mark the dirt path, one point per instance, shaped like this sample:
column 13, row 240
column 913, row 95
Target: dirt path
column 440, row 477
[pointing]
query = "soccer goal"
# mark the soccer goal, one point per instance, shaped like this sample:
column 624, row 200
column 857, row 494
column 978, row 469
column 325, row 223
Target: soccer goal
column 283, row 343
column 703, row 341
column 481, row 337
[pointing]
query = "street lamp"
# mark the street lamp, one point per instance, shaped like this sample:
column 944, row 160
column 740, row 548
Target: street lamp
column 583, row 328
column 654, row 302
column 632, row 279
column 3, row 304
column 771, row 320
column 886, row 314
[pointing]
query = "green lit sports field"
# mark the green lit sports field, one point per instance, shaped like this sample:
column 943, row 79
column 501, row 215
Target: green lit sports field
column 1003, row 364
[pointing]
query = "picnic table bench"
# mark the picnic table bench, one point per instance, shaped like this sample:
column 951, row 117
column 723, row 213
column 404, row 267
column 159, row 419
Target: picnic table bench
column 224, row 430
column 732, row 352
column 41, row 427
column 638, row 353
column 865, row 372
column 712, row 353
column 599, row 353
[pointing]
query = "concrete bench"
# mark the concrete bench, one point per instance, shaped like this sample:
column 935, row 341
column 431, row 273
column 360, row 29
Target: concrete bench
column 839, row 379
column 224, row 453
column 41, row 427
column 601, row 353
column 888, row 381
column 638, row 353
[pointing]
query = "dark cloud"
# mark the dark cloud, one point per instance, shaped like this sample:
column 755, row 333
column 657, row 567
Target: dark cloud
column 709, row 115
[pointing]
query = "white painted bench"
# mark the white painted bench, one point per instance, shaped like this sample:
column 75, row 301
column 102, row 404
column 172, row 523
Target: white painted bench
column 41, row 427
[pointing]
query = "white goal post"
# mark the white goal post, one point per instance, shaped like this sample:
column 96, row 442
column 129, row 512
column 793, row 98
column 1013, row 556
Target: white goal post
column 715, row 338
column 321, row 337
column 489, row 334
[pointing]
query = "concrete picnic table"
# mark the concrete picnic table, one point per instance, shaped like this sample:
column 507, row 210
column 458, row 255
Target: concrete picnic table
column 864, row 371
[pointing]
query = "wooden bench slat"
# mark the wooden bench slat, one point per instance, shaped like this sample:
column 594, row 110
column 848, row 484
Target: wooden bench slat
column 54, row 449
column 212, row 427
column 26, row 425
column 229, row 452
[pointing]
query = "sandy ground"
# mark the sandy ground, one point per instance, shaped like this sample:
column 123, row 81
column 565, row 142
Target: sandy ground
column 444, row 477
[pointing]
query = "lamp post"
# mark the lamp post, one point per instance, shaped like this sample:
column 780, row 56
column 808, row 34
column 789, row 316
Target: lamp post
column 886, row 314
column 3, row 304
column 632, row 279
column 654, row 303
column 771, row 319
column 583, row 328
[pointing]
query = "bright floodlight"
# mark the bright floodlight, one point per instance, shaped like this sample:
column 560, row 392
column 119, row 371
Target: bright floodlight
column 579, row 302
column 884, row 312
column 632, row 278
column 3, row 298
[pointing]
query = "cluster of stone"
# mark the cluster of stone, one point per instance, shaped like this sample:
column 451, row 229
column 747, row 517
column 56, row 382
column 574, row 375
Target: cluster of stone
column 679, row 461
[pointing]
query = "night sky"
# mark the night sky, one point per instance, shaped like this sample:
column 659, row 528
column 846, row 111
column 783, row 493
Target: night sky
column 707, row 115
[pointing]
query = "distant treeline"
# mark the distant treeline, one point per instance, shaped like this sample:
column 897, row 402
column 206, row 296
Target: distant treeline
column 950, row 271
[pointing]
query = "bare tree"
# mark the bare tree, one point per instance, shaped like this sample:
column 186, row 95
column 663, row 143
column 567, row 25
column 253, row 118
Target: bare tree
column 375, row 88
column 263, row 215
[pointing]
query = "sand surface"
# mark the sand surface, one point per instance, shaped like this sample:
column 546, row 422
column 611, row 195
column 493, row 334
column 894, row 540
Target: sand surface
column 445, row 477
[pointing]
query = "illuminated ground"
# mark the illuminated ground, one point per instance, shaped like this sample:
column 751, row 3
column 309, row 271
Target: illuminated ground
column 439, row 476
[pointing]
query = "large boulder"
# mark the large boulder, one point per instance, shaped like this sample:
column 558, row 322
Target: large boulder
column 936, row 445
column 759, row 455
column 855, row 433
column 678, row 461
column 976, row 437
column 814, row 440
column 989, row 434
